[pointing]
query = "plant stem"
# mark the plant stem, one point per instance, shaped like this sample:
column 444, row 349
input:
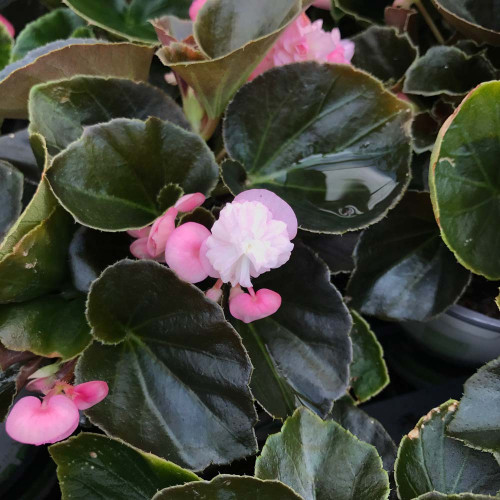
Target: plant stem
column 429, row 21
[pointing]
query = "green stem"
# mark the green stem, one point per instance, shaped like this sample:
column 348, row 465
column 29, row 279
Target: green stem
column 429, row 21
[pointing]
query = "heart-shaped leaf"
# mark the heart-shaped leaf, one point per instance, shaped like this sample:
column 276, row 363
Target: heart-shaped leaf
column 63, row 59
column 384, row 53
column 126, row 18
column 6, row 43
column 235, row 36
column 111, row 177
column 310, row 330
column 178, row 366
column 229, row 487
column 447, row 70
column 477, row 420
column 60, row 110
column 464, row 182
column 58, row 24
column 50, row 326
column 91, row 465
column 365, row 428
column 369, row 373
column 428, row 460
column 363, row 10
column 474, row 19
column 334, row 144
column 403, row 269
column 307, row 455
column 11, row 193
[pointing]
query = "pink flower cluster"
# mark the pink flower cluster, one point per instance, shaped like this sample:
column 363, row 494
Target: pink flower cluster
column 302, row 41
column 56, row 416
column 252, row 236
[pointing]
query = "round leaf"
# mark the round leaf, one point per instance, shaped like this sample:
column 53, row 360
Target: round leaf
column 11, row 193
column 302, row 353
column 229, row 487
column 321, row 460
column 179, row 366
column 403, row 269
column 63, row 59
column 60, row 110
column 363, row 10
column 50, row 326
column 326, row 138
column 92, row 465
column 428, row 460
column 465, row 182
column 477, row 420
column 111, row 177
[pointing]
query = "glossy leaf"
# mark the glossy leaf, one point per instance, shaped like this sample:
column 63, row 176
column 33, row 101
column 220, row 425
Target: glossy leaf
column 235, row 36
column 63, row 59
column 384, row 53
column 465, row 184
column 424, row 130
column 178, row 366
column 308, row 454
column 60, row 110
column 369, row 373
column 428, row 460
column 11, row 193
column 334, row 144
column 50, row 326
column 58, row 24
column 462, row 496
column 447, row 70
column 365, row 428
column 129, row 19
column 229, row 487
column 477, row 420
column 363, row 10
column 6, row 43
column 403, row 269
column 111, row 177
column 95, row 466
column 302, row 353
column 8, row 389
column 15, row 148
column 474, row 19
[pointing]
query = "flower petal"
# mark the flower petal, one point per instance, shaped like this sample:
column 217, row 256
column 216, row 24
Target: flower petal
column 189, row 202
column 89, row 394
column 247, row 308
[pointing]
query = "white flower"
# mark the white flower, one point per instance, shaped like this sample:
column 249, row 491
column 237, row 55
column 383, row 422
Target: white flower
column 246, row 241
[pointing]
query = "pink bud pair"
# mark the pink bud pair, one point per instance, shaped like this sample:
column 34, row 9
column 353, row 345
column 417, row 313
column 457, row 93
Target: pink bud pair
column 248, row 307
column 36, row 422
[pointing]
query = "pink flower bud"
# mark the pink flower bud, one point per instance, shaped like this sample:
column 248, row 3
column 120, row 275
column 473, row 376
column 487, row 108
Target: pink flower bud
column 140, row 233
column 195, row 8
column 160, row 232
column 139, row 249
column 43, row 385
column 323, row 4
column 32, row 422
column 8, row 25
column 214, row 294
column 189, row 202
column 89, row 394
column 182, row 253
column 249, row 308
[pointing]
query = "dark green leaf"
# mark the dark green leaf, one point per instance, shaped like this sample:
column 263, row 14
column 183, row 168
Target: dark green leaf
column 236, row 37
column 370, row 11
column 63, row 59
column 111, row 177
column 310, row 331
column 15, row 148
column 60, row 110
column 328, row 139
column 365, row 428
column 229, row 487
column 368, row 369
column 56, row 25
column 462, row 496
column 321, row 461
column 477, row 421
column 96, row 466
column 429, row 461
column 168, row 196
column 465, row 182
column 49, row 326
column 403, row 269
column 179, row 366
column 126, row 18
column 201, row 216
column 384, row 53
column 7, row 389
column 476, row 20
column 424, row 130
column 11, row 193
column 5, row 46
column 447, row 70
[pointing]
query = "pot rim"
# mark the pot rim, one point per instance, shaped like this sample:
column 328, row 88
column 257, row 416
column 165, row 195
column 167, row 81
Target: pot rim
column 475, row 318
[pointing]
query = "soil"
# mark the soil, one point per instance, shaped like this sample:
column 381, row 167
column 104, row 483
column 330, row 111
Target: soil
column 480, row 297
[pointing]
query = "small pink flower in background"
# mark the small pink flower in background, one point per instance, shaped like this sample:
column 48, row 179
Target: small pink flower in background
column 8, row 25
column 195, row 8
column 323, row 4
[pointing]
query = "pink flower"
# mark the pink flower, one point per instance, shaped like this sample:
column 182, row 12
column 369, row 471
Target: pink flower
column 253, row 306
column 323, row 4
column 8, row 25
column 195, row 8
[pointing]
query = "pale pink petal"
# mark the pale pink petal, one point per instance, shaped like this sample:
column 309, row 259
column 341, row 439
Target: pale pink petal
column 195, row 8
column 214, row 294
column 205, row 263
column 247, row 308
column 89, row 394
column 182, row 253
column 43, row 385
column 139, row 249
column 278, row 207
column 140, row 233
column 189, row 202
column 30, row 423
column 160, row 232
column 8, row 25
